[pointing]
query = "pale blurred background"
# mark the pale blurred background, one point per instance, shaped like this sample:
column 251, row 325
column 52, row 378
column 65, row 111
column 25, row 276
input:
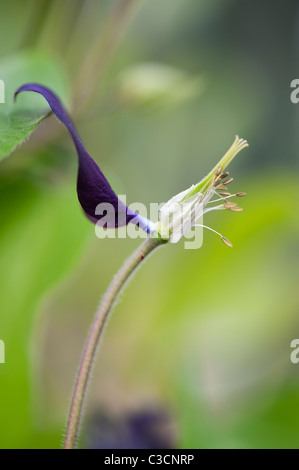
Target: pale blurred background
column 200, row 341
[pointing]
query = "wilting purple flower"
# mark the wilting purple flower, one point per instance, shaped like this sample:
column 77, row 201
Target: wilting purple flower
column 92, row 186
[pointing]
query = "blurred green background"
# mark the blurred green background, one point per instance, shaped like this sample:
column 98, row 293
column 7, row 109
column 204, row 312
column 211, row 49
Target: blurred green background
column 158, row 91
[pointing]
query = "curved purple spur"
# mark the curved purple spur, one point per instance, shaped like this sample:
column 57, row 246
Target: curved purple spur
column 92, row 186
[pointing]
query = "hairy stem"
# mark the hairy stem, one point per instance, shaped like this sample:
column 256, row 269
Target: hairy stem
column 95, row 334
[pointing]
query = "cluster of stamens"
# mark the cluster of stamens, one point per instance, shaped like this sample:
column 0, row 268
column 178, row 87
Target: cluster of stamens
column 218, row 187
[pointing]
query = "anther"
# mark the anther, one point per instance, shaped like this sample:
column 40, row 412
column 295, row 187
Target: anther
column 228, row 181
column 226, row 242
column 217, row 181
column 225, row 193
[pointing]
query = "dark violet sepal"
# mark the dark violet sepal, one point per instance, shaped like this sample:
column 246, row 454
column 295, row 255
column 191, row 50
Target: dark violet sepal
column 92, row 186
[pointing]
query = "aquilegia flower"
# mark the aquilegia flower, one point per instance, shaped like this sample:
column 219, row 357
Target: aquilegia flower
column 176, row 218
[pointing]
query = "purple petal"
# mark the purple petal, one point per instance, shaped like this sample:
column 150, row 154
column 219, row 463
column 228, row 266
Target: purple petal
column 92, row 186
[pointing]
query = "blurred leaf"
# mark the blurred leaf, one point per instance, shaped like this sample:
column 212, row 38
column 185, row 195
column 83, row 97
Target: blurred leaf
column 18, row 120
column 157, row 86
column 42, row 234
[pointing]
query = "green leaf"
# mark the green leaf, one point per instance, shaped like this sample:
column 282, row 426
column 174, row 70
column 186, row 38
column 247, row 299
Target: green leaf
column 18, row 120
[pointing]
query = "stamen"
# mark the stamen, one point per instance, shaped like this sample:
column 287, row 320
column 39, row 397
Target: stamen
column 225, row 193
column 209, row 228
column 228, row 181
column 218, row 171
column 220, row 207
column 221, row 187
column 229, row 205
column 224, row 196
column 224, row 175
column 225, row 240
column 217, row 181
column 235, row 209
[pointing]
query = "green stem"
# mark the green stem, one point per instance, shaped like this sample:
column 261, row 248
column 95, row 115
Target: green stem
column 95, row 333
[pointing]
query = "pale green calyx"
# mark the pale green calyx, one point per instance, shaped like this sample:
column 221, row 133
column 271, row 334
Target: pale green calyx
column 183, row 211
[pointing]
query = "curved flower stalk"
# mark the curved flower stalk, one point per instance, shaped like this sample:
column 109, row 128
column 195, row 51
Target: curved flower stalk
column 176, row 218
